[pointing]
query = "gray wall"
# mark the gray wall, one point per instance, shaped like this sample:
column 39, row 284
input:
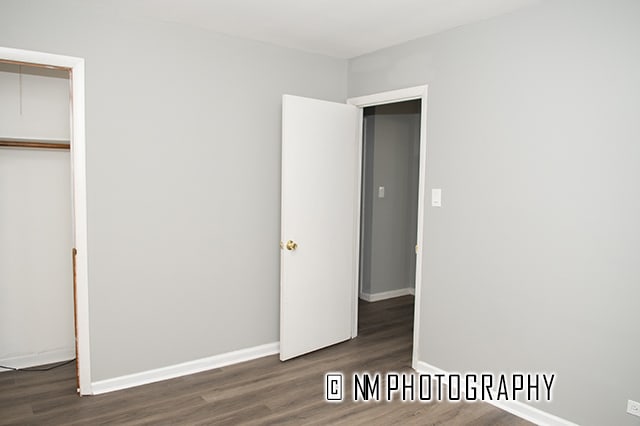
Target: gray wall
column 531, row 263
column 392, row 136
column 183, row 163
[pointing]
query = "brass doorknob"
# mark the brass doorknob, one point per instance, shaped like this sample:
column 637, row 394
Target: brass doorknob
column 291, row 245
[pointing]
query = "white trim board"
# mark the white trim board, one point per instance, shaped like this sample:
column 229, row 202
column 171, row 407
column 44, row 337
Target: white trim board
column 185, row 368
column 42, row 358
column 517, row 408
column 390, row 97
column 79, row 194
column 375, row 297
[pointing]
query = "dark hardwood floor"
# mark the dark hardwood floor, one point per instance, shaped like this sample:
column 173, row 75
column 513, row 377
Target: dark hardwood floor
column 263, row 391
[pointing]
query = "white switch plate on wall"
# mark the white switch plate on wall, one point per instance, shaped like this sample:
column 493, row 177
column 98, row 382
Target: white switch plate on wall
column 436, row 197
column 381, row 192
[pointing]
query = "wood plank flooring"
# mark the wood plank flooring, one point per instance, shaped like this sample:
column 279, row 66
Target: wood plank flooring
column 263, row 391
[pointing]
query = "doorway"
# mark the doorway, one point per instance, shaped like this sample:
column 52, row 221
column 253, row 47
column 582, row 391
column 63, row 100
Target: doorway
column 75, row 66
column 391, row 162
column 389, row 206
column 411, row 102
column 320, row 247
column 36, row 307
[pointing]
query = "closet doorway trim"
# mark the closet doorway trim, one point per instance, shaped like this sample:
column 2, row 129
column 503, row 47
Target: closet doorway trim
column 79, row 187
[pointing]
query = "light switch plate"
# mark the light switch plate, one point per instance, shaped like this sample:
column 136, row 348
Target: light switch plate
column 436, row 197
column 381, row 192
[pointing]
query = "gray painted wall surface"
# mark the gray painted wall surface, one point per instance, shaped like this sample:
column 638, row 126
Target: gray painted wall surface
column 392, row 159
column 183, row 163
column 532, row 262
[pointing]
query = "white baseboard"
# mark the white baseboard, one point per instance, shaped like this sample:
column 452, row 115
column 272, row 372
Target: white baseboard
column 516, row 408
column 374, row 297
column 185, row 368
column 42, row 358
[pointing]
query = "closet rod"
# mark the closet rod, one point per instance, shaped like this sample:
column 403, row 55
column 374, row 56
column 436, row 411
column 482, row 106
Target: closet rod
column 23, row 143
column 31, row 64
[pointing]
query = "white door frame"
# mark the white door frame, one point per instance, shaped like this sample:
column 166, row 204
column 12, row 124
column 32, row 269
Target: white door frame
column 394, row 96
column 79, row 192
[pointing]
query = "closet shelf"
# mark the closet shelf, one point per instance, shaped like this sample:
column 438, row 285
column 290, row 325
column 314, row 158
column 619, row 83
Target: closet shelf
column 33, row 143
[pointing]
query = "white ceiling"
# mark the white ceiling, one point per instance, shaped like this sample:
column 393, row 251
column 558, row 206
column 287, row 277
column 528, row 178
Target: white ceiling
column 338, row 28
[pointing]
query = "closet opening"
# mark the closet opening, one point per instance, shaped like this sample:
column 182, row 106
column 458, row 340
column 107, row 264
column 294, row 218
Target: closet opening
column 37, row 258
column 389, row 218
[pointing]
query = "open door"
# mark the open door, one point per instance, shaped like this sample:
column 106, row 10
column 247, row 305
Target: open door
column 320, row 207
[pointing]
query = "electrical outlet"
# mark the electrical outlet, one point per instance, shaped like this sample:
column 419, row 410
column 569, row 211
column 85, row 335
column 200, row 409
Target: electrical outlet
column 633, row 407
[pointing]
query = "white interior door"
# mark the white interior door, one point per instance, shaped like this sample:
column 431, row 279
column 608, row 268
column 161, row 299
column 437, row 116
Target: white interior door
column 318, row 264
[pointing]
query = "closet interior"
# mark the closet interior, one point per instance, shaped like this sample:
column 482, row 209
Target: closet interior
column 36, row 232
